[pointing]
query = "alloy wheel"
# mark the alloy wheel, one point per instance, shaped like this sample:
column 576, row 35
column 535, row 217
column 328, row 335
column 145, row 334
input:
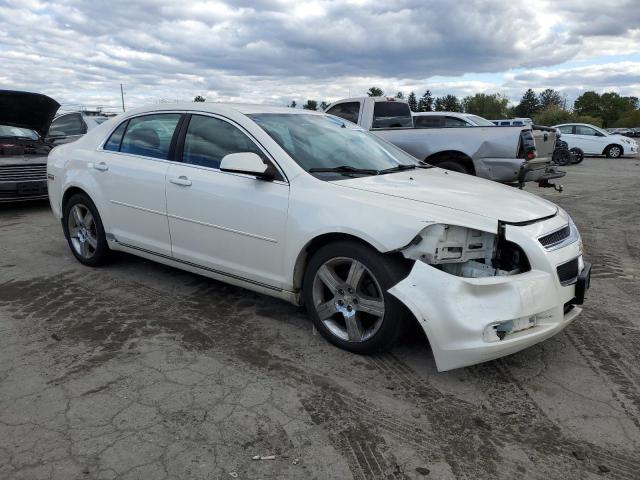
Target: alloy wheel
column 348, row 299
column 82, row 231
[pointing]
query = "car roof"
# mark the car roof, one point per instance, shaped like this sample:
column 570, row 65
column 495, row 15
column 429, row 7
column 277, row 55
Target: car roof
column 426, row 114
column 220, row 107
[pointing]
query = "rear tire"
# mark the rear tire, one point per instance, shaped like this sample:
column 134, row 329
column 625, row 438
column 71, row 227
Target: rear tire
column 454, row 166
column 613, row 151
column 345, row 290
column 84, row 231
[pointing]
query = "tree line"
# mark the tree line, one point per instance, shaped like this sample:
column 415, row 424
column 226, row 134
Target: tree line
column 549, row 107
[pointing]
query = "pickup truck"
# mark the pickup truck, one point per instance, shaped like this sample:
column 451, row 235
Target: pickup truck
column 461, row 142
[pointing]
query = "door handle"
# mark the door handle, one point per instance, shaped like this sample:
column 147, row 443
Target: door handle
column 103, row 167
column 181, row 180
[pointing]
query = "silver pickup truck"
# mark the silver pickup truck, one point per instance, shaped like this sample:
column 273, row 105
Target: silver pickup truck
column 461, row 142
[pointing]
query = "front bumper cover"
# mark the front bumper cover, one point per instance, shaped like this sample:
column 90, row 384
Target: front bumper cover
column 458, row 313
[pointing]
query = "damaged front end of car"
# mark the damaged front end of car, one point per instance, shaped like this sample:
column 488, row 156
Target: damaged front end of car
column 479, row 296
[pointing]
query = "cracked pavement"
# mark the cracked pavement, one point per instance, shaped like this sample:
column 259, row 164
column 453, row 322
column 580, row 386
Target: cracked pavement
column 141, row 371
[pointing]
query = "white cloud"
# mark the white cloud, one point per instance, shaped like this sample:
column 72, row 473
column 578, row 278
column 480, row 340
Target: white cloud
column 278, row 50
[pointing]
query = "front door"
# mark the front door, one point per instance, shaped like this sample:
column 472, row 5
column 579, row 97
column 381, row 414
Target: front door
column 588, row 139
column 131, row 172
column 229, row 223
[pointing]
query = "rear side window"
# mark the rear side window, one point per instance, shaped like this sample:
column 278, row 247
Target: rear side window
column 391, row 115
column 115, row 139
column 71, row 124
column 348, row 111
column 505, row 124
column 566, row 129
column 429, row 121
column 150, row 135
column 209, row 139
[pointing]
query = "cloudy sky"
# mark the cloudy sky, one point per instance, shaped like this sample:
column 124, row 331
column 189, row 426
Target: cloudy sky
column 274, row 51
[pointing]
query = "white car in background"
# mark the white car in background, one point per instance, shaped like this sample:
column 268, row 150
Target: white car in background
column 70, row 126
column 315, row 210
column 593, row 140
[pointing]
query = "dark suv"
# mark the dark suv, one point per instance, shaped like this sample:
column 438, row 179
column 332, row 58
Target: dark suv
column 24, row 120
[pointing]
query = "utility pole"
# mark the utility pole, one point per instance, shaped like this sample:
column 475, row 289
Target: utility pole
column 122, row 96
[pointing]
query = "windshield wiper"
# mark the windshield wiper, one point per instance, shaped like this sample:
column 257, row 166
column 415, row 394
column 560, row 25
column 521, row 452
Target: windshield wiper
column 344, row 169
column 398, row 168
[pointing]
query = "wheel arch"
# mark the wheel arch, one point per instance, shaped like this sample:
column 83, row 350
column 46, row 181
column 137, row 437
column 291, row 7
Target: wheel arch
column 451, row 155
column 319, row 241
column 69, row 192
column 604, row 151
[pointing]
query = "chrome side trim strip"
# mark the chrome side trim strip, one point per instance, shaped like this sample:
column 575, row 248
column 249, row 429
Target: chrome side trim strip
column 212, row 270
column 226, row 229
column 115, row 202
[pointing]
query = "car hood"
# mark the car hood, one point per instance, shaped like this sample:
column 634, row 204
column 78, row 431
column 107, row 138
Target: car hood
column 457, row 191
column 27, row 110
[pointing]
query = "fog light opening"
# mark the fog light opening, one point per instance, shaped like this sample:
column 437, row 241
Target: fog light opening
column 498, row 331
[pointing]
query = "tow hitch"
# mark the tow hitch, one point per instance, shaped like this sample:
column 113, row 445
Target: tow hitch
column 545, row 183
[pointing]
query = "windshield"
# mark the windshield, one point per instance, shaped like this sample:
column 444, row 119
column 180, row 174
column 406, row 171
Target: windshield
column 481, row 122
column 9, row 131
column 326, row 142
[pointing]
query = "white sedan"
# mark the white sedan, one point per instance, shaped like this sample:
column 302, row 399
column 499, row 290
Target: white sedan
column 596, row 141
column 310, row 208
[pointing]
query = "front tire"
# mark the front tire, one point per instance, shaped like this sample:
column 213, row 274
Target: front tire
column 613, row 151
column 345, row 290
column 84, row 231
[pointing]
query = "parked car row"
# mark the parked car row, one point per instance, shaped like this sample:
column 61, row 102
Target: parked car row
column 627, row 132
column 503, row 154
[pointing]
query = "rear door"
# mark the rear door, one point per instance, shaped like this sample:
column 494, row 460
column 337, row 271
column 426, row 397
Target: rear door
column 229, row 223
column 131, row 172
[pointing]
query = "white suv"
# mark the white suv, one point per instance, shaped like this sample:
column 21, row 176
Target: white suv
column 596, row 141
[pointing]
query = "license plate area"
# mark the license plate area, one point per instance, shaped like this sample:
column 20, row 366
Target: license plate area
column 32, row 188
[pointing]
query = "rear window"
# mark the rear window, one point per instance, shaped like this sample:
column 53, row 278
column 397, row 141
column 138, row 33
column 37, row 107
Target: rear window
column 391, row 115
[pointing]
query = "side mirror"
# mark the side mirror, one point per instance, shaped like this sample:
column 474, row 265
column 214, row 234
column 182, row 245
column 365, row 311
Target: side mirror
column 245, row 162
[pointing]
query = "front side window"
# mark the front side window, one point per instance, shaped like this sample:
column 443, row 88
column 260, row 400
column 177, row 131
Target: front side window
column 324, row 142
column 71, row 124
column 209, row 139
column 150, row 135
column 582, row 130
column 348, row 111
column 479, row 121
column 566, row 129
column 455, row 122
column 429, row 121
column 505, row 124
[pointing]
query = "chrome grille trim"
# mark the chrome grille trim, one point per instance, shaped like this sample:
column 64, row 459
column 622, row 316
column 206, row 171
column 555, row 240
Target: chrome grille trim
column 21, row 173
